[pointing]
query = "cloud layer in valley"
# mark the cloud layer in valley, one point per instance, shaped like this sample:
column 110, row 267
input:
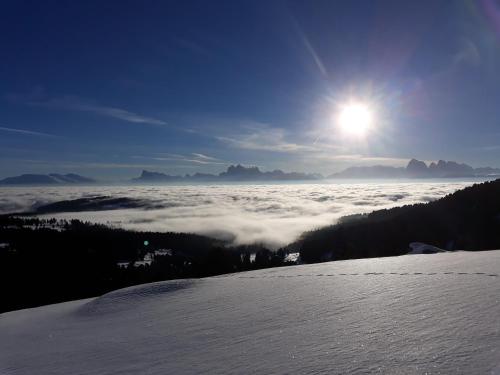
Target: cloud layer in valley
column 274, row 214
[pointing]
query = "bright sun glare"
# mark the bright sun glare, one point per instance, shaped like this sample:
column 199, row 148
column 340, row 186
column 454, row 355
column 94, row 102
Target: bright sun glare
column 355, row 119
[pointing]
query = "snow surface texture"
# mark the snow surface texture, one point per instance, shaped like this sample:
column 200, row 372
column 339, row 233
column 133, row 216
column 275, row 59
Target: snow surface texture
column 434, row 314
column 275, row 214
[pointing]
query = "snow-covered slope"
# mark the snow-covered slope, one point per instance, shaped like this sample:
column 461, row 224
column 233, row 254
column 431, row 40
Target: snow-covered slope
column 435, row 313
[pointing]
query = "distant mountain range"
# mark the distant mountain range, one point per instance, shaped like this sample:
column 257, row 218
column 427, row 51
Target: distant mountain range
column 47, row 179
column 418, row 169
column 414, row 169
column 233, row 173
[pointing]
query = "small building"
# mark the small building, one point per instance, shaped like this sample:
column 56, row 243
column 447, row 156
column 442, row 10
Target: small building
column 292, row 258
column 146, row 261
column 162, row 252
column 139, row 263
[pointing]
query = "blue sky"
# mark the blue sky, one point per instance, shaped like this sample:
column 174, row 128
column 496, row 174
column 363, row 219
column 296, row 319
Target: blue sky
column 108, row 88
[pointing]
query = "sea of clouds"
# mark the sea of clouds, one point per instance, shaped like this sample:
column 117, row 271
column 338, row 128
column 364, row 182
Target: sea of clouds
column 274, row 214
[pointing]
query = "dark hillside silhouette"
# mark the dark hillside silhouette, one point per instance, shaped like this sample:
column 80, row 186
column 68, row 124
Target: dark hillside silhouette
column 468, row 219
column 49, row 261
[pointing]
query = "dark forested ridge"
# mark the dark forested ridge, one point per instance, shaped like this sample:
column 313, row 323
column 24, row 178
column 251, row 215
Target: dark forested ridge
column 468, row 219
column 49, row 261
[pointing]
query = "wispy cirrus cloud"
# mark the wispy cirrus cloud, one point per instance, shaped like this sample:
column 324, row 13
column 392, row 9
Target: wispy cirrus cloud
column 194, row 158
column 368, row 159
column 262, row 137
column 27, row 132
column 73, row 103
column 68, row 164
column 203, row 157
column 38, row 98
column 257, row 136
column 121, row 114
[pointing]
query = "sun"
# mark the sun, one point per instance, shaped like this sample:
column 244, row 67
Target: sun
column 355, row 119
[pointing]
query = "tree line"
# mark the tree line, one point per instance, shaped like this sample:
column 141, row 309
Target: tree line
column 50, row 261
column 468, row 219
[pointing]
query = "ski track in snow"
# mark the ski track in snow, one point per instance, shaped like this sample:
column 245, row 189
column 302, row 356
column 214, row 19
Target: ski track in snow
column 414, row 314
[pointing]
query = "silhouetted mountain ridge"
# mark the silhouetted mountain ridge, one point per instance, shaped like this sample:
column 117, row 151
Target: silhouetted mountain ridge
column 414, row 169
column 47, row 179
column 233, row 173
column 418, row 169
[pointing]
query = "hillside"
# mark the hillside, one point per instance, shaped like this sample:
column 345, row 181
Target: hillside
column 412, row 314
column 49, row 261
column 468, row 219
